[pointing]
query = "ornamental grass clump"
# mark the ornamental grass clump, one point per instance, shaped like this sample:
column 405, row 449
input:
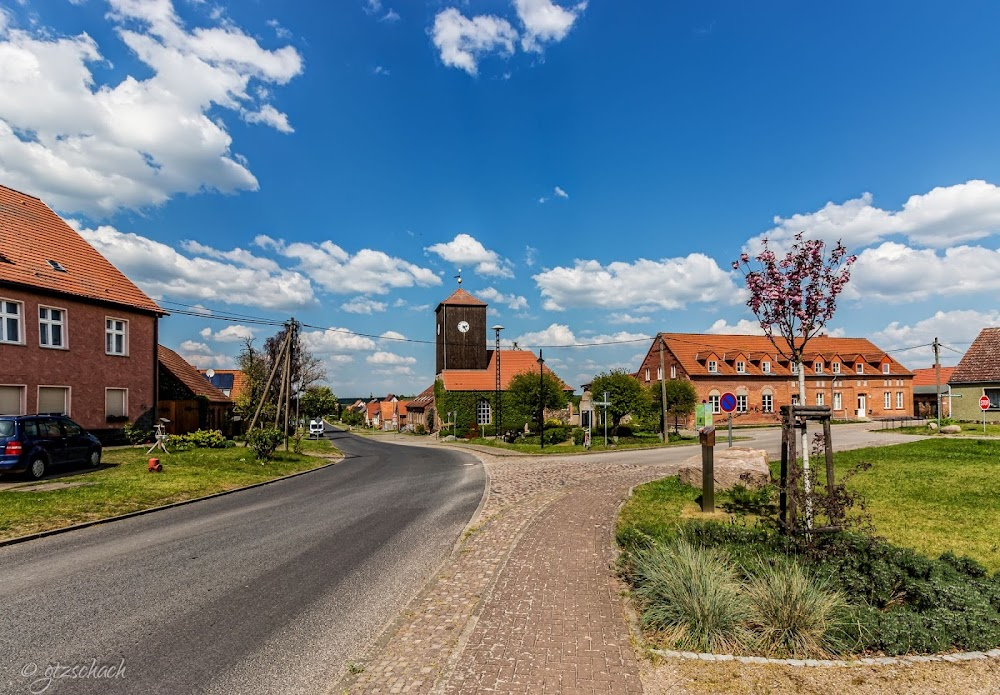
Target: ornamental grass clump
column 791, row 613
column 692, row 597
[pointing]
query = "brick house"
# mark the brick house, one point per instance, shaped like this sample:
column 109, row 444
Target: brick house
column 976, row 375
column 76, row 335
column 851, row 375
column 188, row 399
column 420, row 410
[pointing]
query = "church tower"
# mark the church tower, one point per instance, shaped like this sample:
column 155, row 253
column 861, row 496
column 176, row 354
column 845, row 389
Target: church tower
column 461, row 332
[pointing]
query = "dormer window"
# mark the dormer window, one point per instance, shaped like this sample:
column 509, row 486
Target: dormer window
column 713, row 367
column 836, row 367
column 885, row 367
column 860, row 367
column 765, row 367
column 741, row 367
column 819, row 366
column 57, row 266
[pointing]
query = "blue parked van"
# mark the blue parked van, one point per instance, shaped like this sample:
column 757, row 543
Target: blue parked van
column 33, row 444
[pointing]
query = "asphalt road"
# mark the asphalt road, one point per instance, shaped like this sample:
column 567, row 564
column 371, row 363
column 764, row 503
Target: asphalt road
column 271, row 590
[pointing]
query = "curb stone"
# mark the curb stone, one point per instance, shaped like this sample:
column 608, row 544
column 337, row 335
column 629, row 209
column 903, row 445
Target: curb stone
column 825, row 663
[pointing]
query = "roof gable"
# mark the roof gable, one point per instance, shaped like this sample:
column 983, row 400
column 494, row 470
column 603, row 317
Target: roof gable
column 461, row 298
column 192, row 379
column 31, row 235
column 981, row 361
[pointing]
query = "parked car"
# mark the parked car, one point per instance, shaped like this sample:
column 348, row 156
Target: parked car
column 316, row 428
column 33, row 444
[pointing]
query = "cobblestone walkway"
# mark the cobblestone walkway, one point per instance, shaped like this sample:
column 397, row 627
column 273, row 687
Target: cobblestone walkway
column 529, row 603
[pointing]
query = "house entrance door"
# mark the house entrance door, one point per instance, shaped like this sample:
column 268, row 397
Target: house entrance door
column 862, row 406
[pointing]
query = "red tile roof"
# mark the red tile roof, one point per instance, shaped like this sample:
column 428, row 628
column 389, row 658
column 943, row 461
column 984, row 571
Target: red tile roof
column 981, row 361
column 424, row 399
column 239, row 381
column 373, row 410
column 31, row 235
column 194, row 380
column 926, row 377
column 512, row 363
column 693, row 350
column 462, row 298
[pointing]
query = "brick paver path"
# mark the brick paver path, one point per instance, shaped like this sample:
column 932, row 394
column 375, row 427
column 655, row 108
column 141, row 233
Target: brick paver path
column 529, row 603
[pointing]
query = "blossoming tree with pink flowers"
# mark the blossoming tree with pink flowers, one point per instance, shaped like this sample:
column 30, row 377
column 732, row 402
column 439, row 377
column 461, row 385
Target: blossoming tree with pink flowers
column 793, row 297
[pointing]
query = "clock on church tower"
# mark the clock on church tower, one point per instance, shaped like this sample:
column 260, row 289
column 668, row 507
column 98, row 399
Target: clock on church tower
column 461, row 332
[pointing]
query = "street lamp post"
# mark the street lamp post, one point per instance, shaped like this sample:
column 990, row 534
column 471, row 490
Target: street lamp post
column 541, row 399
column 496, row 400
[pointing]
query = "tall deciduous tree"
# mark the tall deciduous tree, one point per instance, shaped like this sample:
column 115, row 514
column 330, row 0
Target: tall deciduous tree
column 318, row 401
column 793, row 298
column 625, row 394
column 524, row 394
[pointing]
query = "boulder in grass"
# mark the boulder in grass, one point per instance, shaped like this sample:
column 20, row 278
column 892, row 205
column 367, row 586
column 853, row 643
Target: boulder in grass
column 932, row 426
column 730, row 467
column 951, row 429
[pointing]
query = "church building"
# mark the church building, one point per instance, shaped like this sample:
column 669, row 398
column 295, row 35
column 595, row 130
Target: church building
column 469, row 373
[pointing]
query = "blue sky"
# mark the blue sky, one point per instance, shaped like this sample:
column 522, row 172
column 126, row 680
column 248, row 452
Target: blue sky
column 592, row 168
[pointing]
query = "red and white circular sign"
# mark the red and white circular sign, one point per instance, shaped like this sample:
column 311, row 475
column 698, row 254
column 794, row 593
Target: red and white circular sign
column 984, row 403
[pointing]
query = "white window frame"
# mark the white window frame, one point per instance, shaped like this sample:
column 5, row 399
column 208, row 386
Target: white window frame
column 714, row 402
column 765, row 367
column 887, row 400
column 836, row 367
column 113, row 331
column 22, row 407
column 713, row 367
column 647, row 373
column 673, row 371
column 48, row 322
column 795, row 399
column 659, row 373
column 899, row 400
column 794, row 367
column 820, row 398
column 886, row 367
column 484, row 412
column 994, row 395
column 860, row 367
column 818, row 366
column 66, row 388
column 838, row 401
column 5, row 317
column 124, row 400
column 741, row 367
column 741, row 402
column 767, row 402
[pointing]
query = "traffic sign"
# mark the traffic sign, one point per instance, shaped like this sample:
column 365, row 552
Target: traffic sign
column 727, row 402
column 984, row 403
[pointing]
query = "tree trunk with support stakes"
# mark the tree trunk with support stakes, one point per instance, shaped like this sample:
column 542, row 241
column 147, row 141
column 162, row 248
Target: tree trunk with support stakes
column 805, row 449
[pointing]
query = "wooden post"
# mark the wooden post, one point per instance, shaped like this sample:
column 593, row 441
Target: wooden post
column 828, row 442
column 270, row 380
column 786, row 432
column 707, row 438
column 288, row 376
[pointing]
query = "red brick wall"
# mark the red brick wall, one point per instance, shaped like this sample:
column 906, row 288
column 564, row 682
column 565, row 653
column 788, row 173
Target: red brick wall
column 849, row 385
column 83, row 366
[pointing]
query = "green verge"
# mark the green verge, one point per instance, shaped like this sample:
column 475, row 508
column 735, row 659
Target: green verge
column 936, row 498
column 969, row 429
column 123, row 485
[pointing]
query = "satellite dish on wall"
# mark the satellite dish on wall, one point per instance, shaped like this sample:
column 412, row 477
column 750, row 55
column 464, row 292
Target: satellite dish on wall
column 209, row 373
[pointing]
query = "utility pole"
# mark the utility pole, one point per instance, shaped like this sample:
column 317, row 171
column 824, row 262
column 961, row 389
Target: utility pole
column 292, row 326
column 663, row 395
column 937, row 379
column 270, row 380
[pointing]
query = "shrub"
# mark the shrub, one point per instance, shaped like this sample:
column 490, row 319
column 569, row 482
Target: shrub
column 624, row 431
column 692, row 596
column 200, row 439
column 578, row 435
column 791, row 613
column 419, row 428
column 135, row 434
column 264, row 442
column 556, row 434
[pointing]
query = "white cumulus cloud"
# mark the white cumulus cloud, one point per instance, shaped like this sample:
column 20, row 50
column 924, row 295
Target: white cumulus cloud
column 514, row 302
column 544, row 20
column 202, row 356
column 389, row 358
column 558, row 334
column 230, row 334
column 366, row 272
column 363, row 305
column 461, row 41
column 163, row 272
column 955, row 329
column 84, row 145
column 670, row 283
column 741, row 327
column 467, row 250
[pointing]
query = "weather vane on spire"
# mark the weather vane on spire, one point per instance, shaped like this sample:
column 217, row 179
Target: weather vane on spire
column 459, row 277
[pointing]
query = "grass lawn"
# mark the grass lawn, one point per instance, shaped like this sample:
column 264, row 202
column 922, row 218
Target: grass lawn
column 933, row 495
column 123, row 485
column 969, row 429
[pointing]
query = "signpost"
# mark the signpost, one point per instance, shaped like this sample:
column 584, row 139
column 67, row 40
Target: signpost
column 984, row 405
column 727, row 402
